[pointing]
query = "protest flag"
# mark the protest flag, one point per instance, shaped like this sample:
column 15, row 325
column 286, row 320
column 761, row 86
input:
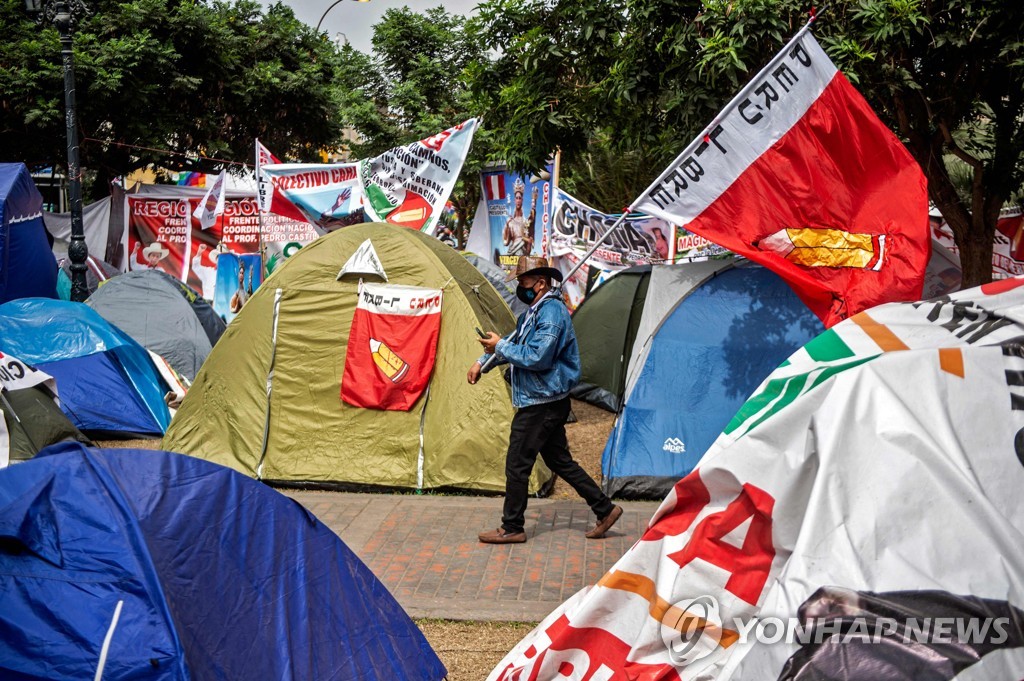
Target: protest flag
column 799, row 174
column 212, row 204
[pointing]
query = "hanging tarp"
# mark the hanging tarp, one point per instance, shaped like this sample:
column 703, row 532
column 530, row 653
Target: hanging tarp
column 860, row 519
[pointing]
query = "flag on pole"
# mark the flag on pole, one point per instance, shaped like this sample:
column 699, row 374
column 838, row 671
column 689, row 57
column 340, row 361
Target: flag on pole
column 799, row 174
column 268, row 196
column 212, row 204
column 410, row 185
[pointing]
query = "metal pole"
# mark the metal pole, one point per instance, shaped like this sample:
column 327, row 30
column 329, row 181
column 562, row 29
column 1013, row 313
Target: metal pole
column 78, row 252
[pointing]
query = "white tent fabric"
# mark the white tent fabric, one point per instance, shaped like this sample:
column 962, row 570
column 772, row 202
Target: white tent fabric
column 871, row 487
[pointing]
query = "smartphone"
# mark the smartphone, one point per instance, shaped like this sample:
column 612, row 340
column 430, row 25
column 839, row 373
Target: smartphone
column 479, row 332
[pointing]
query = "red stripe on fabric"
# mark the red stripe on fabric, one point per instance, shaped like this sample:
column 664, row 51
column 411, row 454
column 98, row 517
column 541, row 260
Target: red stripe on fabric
column 837, row 167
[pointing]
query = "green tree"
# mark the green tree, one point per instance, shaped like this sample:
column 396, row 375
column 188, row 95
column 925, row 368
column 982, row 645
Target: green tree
column 413, row 87
column 947, row 77
column 192, row 77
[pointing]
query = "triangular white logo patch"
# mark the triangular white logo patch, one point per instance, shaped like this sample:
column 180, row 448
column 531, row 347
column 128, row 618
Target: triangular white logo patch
column 363, row 262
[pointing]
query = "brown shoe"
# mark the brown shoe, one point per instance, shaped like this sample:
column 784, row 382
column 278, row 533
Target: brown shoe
column 605, row 523
column 502, row 536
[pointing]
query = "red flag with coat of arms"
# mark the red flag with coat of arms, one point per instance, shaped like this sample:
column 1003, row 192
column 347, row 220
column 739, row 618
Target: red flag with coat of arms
column 392, row 345
column 799, row 174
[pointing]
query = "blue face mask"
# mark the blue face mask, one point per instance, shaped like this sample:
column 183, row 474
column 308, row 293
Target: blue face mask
column 527, row 295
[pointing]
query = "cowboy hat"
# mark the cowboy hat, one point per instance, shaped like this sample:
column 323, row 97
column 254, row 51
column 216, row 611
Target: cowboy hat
column 156, row 248
column 534, row 264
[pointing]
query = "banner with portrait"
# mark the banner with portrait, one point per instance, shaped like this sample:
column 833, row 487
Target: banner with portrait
column 162, row 233
column 576, row 227
column 512, row 216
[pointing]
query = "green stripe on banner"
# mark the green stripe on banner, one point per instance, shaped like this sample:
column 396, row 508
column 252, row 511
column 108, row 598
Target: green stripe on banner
column 759, row 402
column 827, row 347
column 780, row 393
column 832, row 371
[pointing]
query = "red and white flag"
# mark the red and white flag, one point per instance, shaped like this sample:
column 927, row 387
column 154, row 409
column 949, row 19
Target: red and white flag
column 494, row 184
column 799, row 174
column 391, row 346
column 269, row 197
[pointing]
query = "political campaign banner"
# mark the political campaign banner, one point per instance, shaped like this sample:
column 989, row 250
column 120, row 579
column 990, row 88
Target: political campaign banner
column 1007, row 244
column 692, row 247
column 17, row 375
column 512, row 216
column 328, row 195
column 392, row 344
column 859, row 519
column 410, row 185
column 163, row 233
column 238, row 277
column 798, row 174
column 270, row 199
column 576, row 227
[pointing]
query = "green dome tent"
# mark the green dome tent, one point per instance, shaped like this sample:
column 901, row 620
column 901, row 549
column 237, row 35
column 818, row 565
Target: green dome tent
column 267, row 400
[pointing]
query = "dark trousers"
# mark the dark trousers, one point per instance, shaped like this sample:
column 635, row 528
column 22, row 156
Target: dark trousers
column 541, row 429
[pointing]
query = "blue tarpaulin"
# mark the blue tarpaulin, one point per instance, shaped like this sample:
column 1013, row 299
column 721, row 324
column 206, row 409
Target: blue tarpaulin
column 27, row 266
column 63, row 338
column 187, row 570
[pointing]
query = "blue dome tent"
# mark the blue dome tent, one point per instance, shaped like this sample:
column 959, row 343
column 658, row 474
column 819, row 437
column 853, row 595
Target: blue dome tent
column 146, row 565
column 27, row 266
column 107, row 382
column 709, row 333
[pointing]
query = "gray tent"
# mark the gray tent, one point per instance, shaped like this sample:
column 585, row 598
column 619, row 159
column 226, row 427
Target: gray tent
column 497, row 276
column 149, row 306
column 31, row 417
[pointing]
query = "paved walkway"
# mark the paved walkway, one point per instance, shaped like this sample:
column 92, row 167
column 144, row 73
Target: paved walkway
column 425, row 550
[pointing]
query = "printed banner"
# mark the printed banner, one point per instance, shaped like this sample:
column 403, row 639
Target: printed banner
column 1007, row 246
column 391, row 346
column 576, row 227
column 789, row 554
column 511, row 218
column 16, row 375
column 409, row 186
column 692, row 247
column 237, row 278
column 270, row 199
column 163, row 233
column 328, row 195
column 798, row 174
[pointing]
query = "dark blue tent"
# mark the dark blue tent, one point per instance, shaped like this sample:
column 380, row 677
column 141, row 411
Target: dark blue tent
column 107, row 382
column 154, row 565
column 27, row 266
column 708, row 335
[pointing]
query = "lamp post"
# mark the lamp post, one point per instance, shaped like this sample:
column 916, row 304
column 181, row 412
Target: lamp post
column 62, row 14
column 322, row 16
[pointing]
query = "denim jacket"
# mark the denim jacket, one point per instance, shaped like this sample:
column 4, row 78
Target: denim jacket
column 544, row 356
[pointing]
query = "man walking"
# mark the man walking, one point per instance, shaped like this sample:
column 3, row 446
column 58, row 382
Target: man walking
column 545, row 365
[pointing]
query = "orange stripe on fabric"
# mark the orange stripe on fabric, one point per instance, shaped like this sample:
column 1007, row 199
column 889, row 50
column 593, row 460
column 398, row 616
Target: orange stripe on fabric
column 881, row 334
column 951, row 360
column 660, row 609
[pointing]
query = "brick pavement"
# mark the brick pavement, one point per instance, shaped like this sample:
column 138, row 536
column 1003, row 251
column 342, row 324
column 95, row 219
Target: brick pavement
column 424, row 548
